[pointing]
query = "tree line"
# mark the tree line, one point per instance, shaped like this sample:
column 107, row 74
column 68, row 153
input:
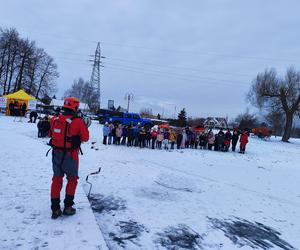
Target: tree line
column 23, row 65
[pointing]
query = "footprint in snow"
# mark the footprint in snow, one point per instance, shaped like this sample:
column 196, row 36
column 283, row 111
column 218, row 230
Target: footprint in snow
column 58, row 232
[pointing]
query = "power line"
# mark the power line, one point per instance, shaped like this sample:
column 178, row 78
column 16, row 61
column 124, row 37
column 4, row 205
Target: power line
column 240, row 56
column 160, row 65
column 209, row 82
column 71, row 60
column 176, row 74
column 189, row 77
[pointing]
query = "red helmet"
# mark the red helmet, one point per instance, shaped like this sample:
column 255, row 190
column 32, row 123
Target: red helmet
column 71, row 103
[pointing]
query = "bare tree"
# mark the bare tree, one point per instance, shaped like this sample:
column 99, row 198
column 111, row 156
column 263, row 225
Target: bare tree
column 275, row 120
column 84, row 92
column 270, row 92
column 47, row 74
column 23, row 65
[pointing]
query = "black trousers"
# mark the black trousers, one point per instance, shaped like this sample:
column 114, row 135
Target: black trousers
column 105, row 139
column 233, row 145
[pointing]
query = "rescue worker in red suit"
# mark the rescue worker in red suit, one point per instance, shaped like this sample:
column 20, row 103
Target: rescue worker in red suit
column 243, row 142
column 66, row 161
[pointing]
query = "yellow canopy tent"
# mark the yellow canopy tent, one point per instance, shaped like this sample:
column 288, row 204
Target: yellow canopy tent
column 17, row 100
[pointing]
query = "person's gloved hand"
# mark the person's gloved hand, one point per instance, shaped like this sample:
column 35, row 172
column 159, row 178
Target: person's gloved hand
column 76, row 142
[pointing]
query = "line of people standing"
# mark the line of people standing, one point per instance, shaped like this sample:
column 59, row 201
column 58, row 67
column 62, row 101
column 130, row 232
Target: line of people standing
column 139, row 136
column 17, row 109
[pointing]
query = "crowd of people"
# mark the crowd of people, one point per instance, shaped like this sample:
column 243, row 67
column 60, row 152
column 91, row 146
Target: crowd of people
column 17, row 109
column 43, row 127
column 169, row 138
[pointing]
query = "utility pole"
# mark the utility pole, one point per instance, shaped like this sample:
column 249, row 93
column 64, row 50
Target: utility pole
column 95, row 77
column 128, row 97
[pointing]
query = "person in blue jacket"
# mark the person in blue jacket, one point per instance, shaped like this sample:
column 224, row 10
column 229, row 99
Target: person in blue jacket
column 136, row 134
column 106, row 131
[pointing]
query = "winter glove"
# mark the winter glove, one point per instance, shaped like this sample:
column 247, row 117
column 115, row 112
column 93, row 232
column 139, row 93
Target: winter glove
column 76, row 142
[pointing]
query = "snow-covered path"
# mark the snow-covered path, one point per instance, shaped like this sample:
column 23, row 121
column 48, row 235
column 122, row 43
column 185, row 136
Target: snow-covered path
column 25, row 175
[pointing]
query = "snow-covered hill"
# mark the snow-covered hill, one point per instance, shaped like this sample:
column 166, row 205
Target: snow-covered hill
column 152, row 199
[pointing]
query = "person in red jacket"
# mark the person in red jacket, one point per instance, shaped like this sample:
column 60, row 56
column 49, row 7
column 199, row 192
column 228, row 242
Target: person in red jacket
column 68, row 131
column 243, row 142
column 153, row 137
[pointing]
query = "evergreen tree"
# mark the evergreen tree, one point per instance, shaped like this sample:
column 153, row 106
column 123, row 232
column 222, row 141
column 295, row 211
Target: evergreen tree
column 182, row 121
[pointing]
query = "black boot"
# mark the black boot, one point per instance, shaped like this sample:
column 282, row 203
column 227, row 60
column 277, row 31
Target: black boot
column 69, row 210
column 55, row 207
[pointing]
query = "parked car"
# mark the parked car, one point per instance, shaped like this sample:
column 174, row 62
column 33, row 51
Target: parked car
column 124, row 118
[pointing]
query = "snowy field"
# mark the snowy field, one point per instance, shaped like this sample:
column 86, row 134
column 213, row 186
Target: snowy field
column 152, row 199
column 25, row 179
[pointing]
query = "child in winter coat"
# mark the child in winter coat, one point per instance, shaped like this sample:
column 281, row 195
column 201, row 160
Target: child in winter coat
column 130, row 133
column 160, row 137
column 124, row 135
column 220, row 140
column 243, row 142
column 227, row 140
column 110, row 135
column 179, row 139
column 119, row 131
column 166, row 139
column 235, row 138
column 184, row 140
column 202, row 140
column 153, row 137
column 106, row 132
column 210, row 140
column 172, row 138
column 142, row 137
column 136, row 135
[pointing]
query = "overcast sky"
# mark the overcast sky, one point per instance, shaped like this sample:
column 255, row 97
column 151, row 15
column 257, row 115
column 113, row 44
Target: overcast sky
column 201, row 55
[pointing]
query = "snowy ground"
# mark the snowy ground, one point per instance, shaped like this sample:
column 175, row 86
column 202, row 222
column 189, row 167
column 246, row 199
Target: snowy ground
column 151, row 199
column 25, row 178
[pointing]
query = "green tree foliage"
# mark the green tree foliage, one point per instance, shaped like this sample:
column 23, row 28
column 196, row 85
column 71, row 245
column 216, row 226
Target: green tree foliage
column 182, row 118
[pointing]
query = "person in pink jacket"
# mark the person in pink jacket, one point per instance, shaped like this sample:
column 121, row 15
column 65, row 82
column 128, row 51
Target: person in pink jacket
column 119, row 132
column 160, row 138
column 210, row 139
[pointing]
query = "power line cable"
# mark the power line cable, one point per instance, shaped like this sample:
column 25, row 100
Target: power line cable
column 245, row 57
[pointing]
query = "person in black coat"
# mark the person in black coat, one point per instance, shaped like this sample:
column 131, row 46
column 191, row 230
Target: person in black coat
column 43, row 127
column 23, row 108
column 113, row 133
column 11, row 108
column 216, row 145
column 220, row 139
column 235, row 138
column 32, row 116
column 203, row 140
column 179, row 139
column 130, row 136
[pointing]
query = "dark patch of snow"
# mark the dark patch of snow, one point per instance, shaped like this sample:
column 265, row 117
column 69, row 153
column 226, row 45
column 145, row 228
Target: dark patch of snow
column 180, row 237
column 101, row 204
column 127, row 231
column 254, row 234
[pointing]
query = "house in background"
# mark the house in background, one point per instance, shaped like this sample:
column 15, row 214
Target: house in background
column 215, row 122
